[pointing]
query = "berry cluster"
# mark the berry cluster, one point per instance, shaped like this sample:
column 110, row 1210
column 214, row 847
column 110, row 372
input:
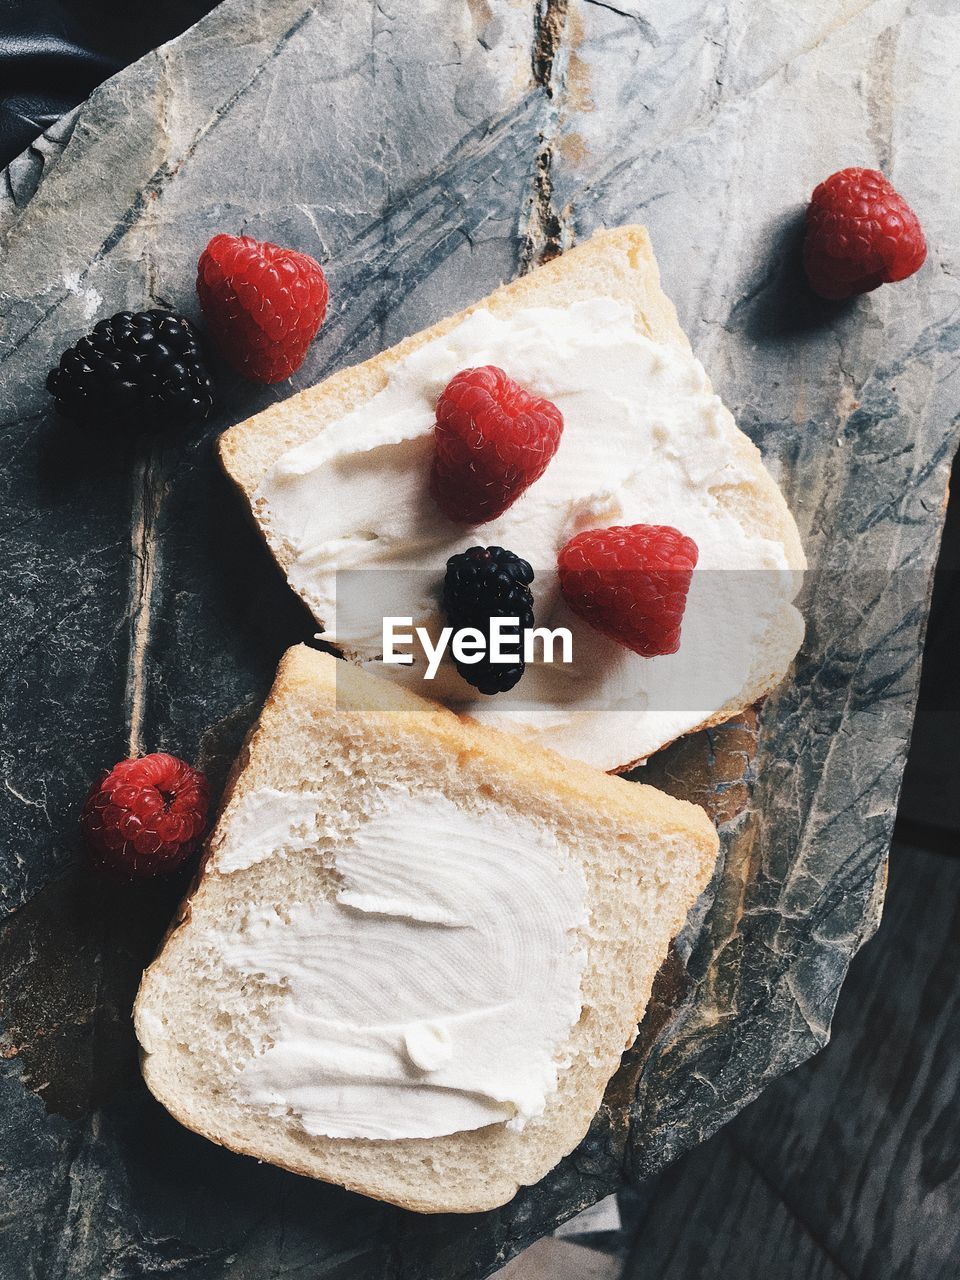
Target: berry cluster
column 493, row 439
column 263, row 305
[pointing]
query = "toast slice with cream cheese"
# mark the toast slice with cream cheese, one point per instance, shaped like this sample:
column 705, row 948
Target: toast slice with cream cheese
column 337, row 480
column 417, row 947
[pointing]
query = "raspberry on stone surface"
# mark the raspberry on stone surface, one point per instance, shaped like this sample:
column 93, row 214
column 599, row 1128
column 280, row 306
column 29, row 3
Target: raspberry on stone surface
column 263, row 303
column 860, row 234
column 145, row 816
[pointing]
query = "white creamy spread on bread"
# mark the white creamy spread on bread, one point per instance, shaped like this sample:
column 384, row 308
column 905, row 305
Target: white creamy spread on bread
column 267, row 822
column 434, row 991
column 645, row 440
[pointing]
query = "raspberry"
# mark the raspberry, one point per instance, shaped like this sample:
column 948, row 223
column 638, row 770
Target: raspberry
column 493, row 440
column 485, row 583
column 860, row 234
column 264, row 304
column 144, row 817
column 630, row 582
column 139, row 368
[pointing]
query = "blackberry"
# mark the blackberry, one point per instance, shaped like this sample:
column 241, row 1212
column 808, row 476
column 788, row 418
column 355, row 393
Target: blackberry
column 485, row 583
column 137, row 368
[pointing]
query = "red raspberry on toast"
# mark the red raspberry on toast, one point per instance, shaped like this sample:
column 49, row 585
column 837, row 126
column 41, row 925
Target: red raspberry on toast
column 860, row 234
column 493, row 439
column 144, row 817
column 630, row 582
column 263, row 304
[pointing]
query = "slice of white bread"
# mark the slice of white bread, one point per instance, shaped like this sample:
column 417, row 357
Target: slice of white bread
column 332, row 729
column 619, row 265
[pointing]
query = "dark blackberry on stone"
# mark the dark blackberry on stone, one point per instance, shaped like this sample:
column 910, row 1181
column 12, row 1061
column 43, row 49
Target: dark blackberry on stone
column 139, row 368
column 484, row 583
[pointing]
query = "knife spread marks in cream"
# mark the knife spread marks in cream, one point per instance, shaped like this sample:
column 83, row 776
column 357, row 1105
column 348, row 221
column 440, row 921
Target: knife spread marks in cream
column 434, row 990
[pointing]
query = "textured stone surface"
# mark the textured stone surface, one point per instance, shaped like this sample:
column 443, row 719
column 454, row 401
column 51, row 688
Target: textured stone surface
column 425, row 152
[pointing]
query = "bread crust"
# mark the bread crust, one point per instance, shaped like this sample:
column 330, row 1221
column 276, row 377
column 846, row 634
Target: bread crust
column 624, row 258
column 490, row 1164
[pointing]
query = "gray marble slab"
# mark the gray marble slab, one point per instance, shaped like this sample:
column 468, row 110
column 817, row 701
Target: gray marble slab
column 424, row 152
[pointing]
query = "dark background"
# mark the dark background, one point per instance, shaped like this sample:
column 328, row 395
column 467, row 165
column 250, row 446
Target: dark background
column 53, row 53
column 825, row 1176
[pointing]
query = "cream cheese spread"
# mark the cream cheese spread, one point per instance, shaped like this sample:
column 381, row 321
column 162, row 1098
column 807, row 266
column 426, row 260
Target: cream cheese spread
column 434, row 991
column 645, row 441
column 267, row 822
